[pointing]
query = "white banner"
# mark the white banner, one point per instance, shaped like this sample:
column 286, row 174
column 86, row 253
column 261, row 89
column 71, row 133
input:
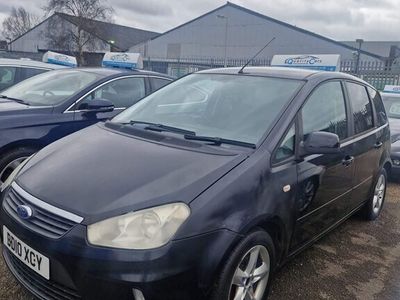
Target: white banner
column 124, row 60
column 325, row 62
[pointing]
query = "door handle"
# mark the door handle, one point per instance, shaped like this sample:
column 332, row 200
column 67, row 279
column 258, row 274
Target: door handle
column 348, row 160
column 378, row 145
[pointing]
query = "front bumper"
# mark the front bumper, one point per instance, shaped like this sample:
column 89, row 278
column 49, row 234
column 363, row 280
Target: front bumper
column 183, row 269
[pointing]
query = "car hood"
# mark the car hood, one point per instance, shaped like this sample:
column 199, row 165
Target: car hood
column 97, row 173
column 11, row 112
column 9, row 105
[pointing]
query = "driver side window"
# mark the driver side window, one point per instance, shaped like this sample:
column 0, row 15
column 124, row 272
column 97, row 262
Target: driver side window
column 122, row 92
column 325, row 111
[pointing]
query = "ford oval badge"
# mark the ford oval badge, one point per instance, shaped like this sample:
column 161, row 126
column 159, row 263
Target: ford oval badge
column 24, row 212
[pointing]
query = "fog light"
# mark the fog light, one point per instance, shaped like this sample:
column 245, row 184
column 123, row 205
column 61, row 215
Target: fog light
column 137, row 295
column 396, row 162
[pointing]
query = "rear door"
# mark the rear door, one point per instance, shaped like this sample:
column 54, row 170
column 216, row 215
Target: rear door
column 368, row 138
column 324, row 181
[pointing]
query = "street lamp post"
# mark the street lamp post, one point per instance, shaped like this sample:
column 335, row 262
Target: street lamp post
column 111, row 42
column 9, row 45
column 226, row 37
column 359, row 42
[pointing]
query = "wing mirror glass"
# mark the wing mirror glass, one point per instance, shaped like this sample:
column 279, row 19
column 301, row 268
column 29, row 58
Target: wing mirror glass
column 321, row 143
column 97, row 105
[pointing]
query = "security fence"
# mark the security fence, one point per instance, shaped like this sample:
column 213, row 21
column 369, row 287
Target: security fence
column 377, row 73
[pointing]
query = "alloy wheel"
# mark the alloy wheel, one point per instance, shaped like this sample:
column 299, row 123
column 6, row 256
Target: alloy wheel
column 251, row 276
column 379, row 194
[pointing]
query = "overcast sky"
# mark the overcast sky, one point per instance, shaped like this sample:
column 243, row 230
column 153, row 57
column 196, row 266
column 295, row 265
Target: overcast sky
column 337, row 19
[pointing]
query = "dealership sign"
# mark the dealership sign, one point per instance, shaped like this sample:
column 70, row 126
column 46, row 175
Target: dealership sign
column 124, row 60
column 326, row 62
column 59, row 59
column 395, row 89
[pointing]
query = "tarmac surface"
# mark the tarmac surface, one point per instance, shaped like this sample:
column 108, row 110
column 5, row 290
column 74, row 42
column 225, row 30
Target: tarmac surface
column 359, row 260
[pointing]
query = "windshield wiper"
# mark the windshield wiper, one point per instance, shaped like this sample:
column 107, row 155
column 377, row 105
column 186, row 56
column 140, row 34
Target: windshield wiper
column 14, row 99
column 218, row 141
column 161, row 127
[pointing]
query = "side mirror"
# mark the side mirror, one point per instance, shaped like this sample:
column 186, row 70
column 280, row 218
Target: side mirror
column 97, row 105
column 321, row 143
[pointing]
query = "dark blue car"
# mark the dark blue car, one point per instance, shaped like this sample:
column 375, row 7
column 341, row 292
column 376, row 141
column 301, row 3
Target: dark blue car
column 200, row 190
column 49, row 106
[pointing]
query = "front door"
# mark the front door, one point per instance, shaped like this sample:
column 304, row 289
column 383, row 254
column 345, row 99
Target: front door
column 324, row 181
column 122, row 92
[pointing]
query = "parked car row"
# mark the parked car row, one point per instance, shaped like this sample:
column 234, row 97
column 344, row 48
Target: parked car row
column 200, row 190
column 13, row 71
column 49, row 106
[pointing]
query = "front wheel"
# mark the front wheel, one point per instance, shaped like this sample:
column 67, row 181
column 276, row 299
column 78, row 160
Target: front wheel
column 246, row 274
column 374, row 206
column 11, row 160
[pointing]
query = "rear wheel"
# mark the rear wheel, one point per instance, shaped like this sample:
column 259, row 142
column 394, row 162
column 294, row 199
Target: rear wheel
column 374, row 206
column 11, row 160
column 246, row 274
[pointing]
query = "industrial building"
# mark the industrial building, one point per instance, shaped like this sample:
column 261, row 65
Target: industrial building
column 104, row 36
column 234, row 33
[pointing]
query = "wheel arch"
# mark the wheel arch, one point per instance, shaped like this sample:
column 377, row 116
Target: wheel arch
column 274, row 226
column 387, row 166
column 29, row 143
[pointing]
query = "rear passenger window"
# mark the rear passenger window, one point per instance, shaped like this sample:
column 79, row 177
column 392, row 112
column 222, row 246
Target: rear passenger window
column 29, row 72
column 379, row 107
column 325, row 110
column 362, row 109
column 158, row 83
column 7, row 77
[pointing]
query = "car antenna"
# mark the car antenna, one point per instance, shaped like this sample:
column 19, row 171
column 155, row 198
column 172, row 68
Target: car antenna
column 250, row 60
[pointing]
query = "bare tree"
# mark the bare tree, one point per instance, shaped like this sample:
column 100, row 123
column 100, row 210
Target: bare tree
column 76, row 38
column 18, row 22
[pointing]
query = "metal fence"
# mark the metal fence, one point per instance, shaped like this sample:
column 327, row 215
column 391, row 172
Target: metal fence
column 377, row 73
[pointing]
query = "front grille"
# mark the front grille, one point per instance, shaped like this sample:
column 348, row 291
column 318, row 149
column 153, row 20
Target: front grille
column 41, row 287
column 43, row 222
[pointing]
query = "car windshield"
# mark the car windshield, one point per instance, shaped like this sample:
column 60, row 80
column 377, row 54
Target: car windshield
column 392, row 106
column 50, row 88
column 233, row 107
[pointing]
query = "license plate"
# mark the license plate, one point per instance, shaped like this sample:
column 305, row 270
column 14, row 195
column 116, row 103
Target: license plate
column 30, row 257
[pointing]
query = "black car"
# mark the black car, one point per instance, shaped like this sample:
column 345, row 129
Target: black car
column 199, row 191
column 49, row 106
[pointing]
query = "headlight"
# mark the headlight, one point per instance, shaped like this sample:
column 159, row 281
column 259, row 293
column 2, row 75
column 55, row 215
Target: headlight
column 144, row 229
column 12, row 176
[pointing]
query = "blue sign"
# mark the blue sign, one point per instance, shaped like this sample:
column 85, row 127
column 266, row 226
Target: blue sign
column 24, row 212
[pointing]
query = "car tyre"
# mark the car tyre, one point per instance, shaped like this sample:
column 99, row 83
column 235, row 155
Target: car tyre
column 10, row 160
column 373, row 207
column 248, row 269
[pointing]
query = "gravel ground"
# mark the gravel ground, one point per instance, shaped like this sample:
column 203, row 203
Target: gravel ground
column 359, row 260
